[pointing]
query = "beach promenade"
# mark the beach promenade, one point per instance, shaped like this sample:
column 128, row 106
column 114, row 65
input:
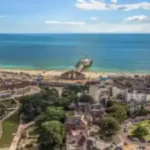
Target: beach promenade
column 55, row 73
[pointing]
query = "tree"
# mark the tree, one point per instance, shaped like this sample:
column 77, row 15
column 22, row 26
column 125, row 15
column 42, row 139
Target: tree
column 86, row 98
column 47, row 92
column 51, row 135
column 31, row 107
column 109, row 103
column 118, row 111
column 2, row 109
column 109, row 126
column 143, row 111
column 62, row 102
column 77, row 89
column 67, row 93
column 52, row 113
column 140, row 132
column 70, row 97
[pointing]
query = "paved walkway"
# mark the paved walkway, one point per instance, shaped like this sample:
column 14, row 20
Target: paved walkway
column 18, row 135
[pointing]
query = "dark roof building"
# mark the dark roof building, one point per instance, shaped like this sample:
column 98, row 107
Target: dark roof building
column 76, row 142
column 75, row 123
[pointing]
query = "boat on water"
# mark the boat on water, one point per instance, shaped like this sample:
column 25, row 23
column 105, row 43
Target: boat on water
column 83, row 64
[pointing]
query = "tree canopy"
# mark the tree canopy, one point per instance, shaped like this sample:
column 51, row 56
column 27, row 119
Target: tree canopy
column 140, row 132
column 86, row 98
column 47, row 92
column 52, row 113
column 118, row 111
column 109, row 126
column 77, row 89
column 31, row 107
column 62, row 102
column 51, row 135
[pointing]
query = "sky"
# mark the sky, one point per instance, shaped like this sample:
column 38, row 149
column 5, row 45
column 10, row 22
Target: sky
column 74, row 16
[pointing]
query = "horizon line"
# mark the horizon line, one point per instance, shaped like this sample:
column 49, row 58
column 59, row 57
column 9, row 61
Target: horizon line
column 81, row 33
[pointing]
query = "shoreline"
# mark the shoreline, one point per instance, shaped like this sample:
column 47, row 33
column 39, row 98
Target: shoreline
column 91, row 74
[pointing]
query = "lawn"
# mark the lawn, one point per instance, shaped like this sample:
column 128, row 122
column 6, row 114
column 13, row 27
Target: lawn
column 9, row 103
column 9, row 129
column 145, row 124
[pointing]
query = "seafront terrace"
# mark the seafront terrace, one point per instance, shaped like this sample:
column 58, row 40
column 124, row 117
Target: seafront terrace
column 12, row 94
column 12, row 87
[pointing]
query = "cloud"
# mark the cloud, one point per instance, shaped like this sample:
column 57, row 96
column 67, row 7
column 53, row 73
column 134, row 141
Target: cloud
column 65, row 23
column 1, row 16
column 114, row 1
column 103, row 27
column 113, row 28
column 81, row 1
column 140, row 18
column 93, row 18
column 102, row 5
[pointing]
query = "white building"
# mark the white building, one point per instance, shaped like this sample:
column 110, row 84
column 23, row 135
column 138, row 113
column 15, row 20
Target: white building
column 136, row 96
column 98, row 92
column 116, row 91
column 148, row 98
column 94, row 92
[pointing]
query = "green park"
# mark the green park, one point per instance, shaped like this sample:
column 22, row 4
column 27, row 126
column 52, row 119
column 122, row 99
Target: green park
column 140, row 130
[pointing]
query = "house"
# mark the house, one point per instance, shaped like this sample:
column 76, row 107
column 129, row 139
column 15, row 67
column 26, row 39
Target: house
column 96, row 144
column 83, row 108
column 75, row 123
column 92, row 112
column 76, row 132
column 76, row 141
column 97, row 113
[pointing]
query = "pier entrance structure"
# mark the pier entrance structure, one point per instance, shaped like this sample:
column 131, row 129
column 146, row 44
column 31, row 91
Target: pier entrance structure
column 73, row 75
column 83, row 64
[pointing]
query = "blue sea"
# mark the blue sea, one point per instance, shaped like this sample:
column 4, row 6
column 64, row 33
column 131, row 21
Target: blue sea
column 109, row 52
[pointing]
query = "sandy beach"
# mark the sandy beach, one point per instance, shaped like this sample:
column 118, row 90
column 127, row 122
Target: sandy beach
column 52, row 73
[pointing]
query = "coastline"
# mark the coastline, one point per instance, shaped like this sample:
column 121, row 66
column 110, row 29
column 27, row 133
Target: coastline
column 89, row 73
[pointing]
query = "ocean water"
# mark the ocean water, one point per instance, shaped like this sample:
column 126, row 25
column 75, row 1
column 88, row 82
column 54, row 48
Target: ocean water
column 109, row 52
